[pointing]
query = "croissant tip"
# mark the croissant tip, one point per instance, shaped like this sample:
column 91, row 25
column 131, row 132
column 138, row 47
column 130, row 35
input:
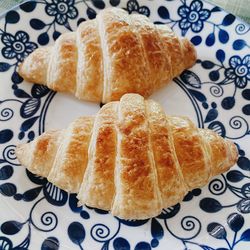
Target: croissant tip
column 20, row 152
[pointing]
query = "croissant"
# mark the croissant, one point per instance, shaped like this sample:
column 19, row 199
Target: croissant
column 131, row 158
column 114, row 54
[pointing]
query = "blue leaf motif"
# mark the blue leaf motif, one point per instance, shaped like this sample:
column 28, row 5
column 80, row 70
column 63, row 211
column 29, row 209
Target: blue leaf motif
column 28, row 6
column 27, row 124
column 16, row 78
column 158, row 22
column 29, row 107
column 54, row 195
column 84, row 215
column 39, row 91
column 188, row 196
column 154, row 243
column 76, row 232
column 216, row 230
column 190, row 78
column 114, row 2
column 157, row 231
column 163, row 12
column 31, row 194
column 91, row 13
column 11, row 227
column 245, row 235
column 5, row 243
column 36, row 179
column 244, row 163
column 4, row 66
column 217, row 127
column 43, row 38
column 6, row 172
column 105, row 246
column 196, row 40
column 239, row 44
column 216, row 9
column 121, row 243
column 51, row 243
column 235, row 176
column 235, row 222
column 142, row 246
column 220, row 55
column 37, row 24
column 67, row 25
column 244, row 206
column 73, row 204
column 80, row 20
column 7, row 189
column 169, row 212
column 204, row 247
column 246, row 94
column 228, row 20
column 31, row 135
column 198, row 95
column 211, row 115
column 223, row 36
column 246, row 109
column 12, row 17
column 228, row 102
column 246, row 190
column 210, row 205
column 210, row 40
column 5, row 135
column 144, row 10
column 21, row 93
column 207, row 64
column 56, row 34
column 214, row 75
column 98, row 4
column 24, row 245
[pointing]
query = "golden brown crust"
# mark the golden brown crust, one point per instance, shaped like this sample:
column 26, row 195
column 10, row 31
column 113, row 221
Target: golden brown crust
column 190, row 152
column 63, row 62
column 39, row 154
column 166, row 162
column 90, row 65
column 112, row 55
column 125, row 69
column 97, row 188
column 72, row 156
column 223, row 153
column 135, row 176
column 154, row 53
column 34, row 68
column 139, row 159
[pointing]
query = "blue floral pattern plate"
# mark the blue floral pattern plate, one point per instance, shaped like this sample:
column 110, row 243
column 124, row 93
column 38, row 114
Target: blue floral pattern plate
column 215, row 94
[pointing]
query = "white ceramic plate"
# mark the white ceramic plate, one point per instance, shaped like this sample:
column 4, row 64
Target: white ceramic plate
column 215, row 94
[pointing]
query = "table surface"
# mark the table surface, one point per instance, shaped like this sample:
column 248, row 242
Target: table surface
column 240, row 8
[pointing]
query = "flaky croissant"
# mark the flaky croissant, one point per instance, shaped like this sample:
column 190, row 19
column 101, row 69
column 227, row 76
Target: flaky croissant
column 109, row 56
column 131, row 158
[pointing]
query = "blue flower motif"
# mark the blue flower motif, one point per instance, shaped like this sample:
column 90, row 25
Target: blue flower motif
column 62, row 10
column 17, row 46
column 239, row 71
column 192, row 16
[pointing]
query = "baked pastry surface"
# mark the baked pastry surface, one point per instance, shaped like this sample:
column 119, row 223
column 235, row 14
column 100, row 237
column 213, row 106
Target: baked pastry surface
column 131, row 158
column 114, row 54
